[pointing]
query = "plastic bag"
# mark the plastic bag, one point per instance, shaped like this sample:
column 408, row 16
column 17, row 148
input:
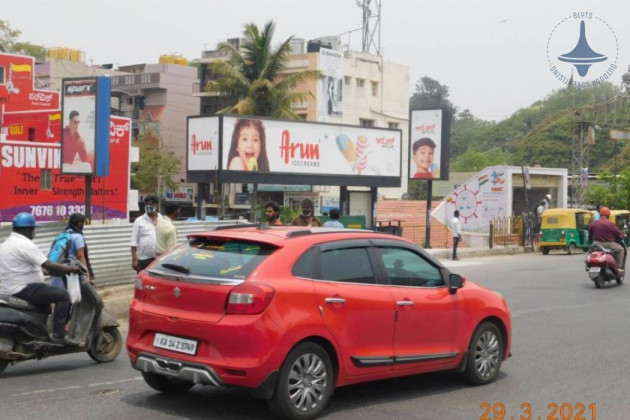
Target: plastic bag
column 74, row 288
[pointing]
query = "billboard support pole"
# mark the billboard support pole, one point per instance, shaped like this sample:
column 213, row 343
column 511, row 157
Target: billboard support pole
column 374, row 199
column 254, row 203
column 343, row 200
column 427, row 237
column 88, row 199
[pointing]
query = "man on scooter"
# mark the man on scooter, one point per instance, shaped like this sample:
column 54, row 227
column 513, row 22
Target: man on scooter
column 605, row 233
column 21, row 275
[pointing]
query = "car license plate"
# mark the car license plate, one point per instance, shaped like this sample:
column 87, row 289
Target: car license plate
column 169, row 342
column 594, row 269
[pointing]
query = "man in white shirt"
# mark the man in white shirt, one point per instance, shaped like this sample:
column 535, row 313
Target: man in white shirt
column 166, row 233
column 143, row 236
column 21, row 263
column 455, row 228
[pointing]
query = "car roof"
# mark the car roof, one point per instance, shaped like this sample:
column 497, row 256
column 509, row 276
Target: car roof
column 279, row 236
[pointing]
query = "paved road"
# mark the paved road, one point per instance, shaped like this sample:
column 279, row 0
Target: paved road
column 571, row 346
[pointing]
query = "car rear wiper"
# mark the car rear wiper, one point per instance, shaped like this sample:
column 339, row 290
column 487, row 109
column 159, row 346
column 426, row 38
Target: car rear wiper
column 175, row 267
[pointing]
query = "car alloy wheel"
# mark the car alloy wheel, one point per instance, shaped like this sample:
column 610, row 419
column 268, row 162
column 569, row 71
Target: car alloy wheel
column 485, row 354
column 305, row 383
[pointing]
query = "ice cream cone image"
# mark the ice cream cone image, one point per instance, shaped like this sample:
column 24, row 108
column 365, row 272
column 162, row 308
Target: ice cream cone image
column 252, row 164
column 346, row 147
column 361, row 154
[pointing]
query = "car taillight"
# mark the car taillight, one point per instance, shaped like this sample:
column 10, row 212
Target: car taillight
column 138, row 291
column 539, row 236
column 563, row 235
column 249, row 299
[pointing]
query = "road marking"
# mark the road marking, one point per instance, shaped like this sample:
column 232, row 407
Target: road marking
column 49, row 390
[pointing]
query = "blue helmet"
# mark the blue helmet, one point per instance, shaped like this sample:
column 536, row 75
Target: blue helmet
column 24, row 220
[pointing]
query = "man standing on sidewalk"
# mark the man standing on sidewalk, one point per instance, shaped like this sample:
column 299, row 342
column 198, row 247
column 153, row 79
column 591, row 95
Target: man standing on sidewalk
column 165, row 230
column 456, row 233
column 143, row 237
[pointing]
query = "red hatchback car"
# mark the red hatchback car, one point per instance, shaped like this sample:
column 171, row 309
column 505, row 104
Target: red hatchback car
column 292, row 313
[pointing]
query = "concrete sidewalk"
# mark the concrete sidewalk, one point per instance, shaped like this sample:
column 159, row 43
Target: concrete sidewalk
column 118, row 298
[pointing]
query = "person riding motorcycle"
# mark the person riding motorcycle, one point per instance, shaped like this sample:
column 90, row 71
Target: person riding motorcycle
column 606, row 234
column 21, row 275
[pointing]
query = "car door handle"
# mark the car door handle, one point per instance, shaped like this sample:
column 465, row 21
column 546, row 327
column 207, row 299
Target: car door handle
column 335, row 300
column 404, row 303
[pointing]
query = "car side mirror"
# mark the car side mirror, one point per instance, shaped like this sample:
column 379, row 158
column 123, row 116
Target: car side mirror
column 455, row 281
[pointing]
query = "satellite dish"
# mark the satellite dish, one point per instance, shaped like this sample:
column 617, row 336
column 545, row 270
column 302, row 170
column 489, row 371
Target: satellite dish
column 406, row 196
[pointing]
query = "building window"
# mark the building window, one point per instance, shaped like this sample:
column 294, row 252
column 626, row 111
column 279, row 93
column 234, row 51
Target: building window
column 302, row 116
column 392, row 125
column 360, row 82
column 1, row 75
column 366, row 123
column 46, row 179
column 347, row 80
column 374, row 88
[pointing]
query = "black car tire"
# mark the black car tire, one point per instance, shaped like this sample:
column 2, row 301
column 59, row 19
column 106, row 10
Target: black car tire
column 544, row 250
column 571, row 249
column 166, row 384
column 485, row 354
column 306, row 372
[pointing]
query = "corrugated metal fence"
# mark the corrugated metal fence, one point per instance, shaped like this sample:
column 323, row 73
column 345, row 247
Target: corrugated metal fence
column 109, row 246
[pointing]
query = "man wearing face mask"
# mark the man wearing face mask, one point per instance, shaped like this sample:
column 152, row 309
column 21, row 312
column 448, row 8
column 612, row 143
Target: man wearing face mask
column 307, row 218
column 21, row 275
column 143, row 236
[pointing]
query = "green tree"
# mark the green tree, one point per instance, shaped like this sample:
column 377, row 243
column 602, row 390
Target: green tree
column 10, row 43
column 613, row 192
column 156, row 168
column 430, row 93
column 256, row 76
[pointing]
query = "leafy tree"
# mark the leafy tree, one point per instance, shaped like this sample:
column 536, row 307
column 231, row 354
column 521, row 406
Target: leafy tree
column 613, row 192
column 10, row 43
column 156, row 168
column 430, row 93
column 256, row 76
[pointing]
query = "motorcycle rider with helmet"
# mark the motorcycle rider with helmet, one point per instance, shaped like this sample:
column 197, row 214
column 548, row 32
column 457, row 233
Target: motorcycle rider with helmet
column 606, row 234
column 21, row 263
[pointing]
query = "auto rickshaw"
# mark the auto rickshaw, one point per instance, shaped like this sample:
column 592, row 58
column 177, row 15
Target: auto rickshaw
column 622, row 219
column 565, row 229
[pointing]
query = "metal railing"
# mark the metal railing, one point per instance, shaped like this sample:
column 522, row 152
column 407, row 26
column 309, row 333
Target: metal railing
column 515, row 230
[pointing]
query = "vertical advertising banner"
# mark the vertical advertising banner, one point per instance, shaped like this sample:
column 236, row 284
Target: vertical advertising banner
column 428, row 144
column 203, row 144
column 330, row 102
column 78, row 137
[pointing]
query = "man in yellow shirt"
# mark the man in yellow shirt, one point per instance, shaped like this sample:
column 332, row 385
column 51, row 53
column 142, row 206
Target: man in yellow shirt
column 165, row 231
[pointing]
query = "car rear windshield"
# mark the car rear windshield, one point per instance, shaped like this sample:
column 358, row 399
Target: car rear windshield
column 216, row 258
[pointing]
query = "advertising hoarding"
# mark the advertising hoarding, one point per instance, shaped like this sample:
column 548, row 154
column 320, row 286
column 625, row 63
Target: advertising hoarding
column 330, row 87
column 78, row 137
column 203, row 144
column 361, row 155
column 27, row 168
column 17, row 92
column 429, row 144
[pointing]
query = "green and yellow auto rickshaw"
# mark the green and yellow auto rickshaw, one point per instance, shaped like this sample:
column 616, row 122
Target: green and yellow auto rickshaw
column 622, row 219
column 565, row 229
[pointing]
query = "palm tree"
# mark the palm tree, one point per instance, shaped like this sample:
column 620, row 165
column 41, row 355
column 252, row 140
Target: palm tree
column 256, row 76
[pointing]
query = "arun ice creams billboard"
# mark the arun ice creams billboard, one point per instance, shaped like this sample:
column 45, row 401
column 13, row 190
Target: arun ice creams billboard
column 255, row 145
column 429, row 144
